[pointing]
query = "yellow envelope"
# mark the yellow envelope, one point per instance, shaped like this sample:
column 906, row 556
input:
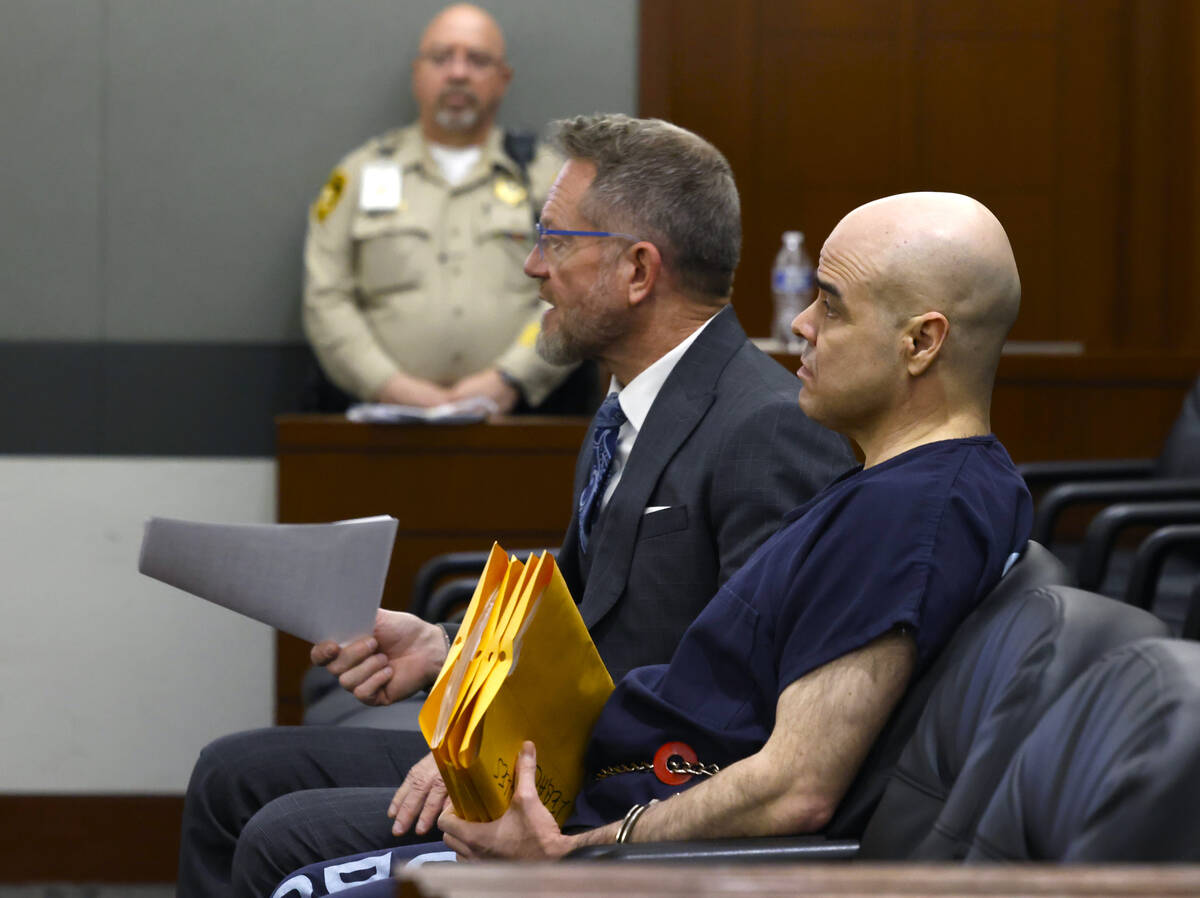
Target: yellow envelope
column 438, row 711
column 435, row 713
column 485, row 655
column 495, row 801
column 545, row 682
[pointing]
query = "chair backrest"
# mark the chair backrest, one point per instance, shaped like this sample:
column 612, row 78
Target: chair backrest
column 1111, row 773
column 1000, row 674
column 1180, row 456
column 1036, row 567
column 1191, row 623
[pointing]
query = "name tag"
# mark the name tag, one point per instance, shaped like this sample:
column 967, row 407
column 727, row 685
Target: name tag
column 380, row 190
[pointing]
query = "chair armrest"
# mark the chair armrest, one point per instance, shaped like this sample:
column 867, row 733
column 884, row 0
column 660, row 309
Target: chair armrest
column 785, row 848
column 1064, row 495
column 1102, row 532
column 450, row 564
column 1042, row 474
column 1148, row 562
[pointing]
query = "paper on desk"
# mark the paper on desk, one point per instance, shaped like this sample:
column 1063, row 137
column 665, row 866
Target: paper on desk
column 315, row 581
column 462, row 411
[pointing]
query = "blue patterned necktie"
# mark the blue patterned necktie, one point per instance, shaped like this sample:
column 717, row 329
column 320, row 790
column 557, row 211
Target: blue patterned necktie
column 609, row 419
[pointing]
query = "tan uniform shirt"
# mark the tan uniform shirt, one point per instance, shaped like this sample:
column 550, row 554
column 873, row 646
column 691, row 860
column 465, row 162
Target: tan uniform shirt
column 432, row 285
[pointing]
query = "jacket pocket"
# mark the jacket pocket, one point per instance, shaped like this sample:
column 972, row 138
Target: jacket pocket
column 656, row 523
column 389, row 253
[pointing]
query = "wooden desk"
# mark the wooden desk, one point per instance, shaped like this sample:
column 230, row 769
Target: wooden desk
column 509, row 880
column 451, row 488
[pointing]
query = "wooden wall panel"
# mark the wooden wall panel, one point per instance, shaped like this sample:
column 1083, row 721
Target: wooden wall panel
column 1182, row 148
column 819, row 154
column 1073, row 119
column 719, row 107
column 984, row 97
column 88, row 838
column 1144, row 322
column 850, row 16
column 1089, row 250
column 987, row 17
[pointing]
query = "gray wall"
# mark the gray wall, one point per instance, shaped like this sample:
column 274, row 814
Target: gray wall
column 159, row 159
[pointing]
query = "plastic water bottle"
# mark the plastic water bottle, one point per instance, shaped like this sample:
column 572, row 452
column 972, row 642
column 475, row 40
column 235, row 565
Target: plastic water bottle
column 791, row 287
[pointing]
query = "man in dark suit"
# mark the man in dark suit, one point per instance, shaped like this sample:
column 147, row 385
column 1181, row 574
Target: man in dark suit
column 691, row 462
column 701, row 490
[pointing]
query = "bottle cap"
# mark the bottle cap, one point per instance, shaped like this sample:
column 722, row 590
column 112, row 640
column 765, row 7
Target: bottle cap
column 793, row 239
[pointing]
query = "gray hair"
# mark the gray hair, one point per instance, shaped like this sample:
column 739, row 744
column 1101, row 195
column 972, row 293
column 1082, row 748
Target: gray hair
column 666, row 185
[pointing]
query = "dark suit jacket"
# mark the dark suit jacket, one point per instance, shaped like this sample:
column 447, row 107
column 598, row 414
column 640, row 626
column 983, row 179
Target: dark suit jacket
column 727, row 449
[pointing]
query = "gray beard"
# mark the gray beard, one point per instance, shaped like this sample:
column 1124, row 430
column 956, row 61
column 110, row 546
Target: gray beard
column 559, row 349
column 457, row 121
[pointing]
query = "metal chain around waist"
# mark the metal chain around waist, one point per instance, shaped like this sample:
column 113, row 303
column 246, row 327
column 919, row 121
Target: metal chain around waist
column 675, row 764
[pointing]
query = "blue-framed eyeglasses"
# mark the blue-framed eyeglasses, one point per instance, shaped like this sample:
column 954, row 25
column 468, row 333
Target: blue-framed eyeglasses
column 542, row 233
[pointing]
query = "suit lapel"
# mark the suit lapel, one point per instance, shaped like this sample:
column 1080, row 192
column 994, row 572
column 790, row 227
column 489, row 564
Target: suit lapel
column 681, row 404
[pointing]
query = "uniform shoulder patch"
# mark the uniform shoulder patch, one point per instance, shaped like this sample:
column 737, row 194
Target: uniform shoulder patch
column 330, row 194
column 509, row 191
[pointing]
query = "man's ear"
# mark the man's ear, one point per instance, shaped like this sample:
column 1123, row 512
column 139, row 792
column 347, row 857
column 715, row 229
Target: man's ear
column 923, row 341
column 643, row 264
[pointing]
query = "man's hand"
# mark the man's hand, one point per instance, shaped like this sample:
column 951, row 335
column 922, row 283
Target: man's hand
column 526, row 831
column 421, row 797
column 487, row 383
column 403, row 654
column 404, row 389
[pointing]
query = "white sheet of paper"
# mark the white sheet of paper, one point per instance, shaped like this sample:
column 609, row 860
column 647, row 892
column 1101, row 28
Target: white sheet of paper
column 462, row 411
column 380, row 191
column 315, row 581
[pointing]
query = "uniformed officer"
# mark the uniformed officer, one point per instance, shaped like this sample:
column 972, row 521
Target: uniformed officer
column 414, row 292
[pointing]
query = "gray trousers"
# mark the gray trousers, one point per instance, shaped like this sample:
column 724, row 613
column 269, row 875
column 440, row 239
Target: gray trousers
column 262, row 803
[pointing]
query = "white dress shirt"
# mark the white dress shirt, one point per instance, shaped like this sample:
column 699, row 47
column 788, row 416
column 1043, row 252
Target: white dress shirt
column 635, row 398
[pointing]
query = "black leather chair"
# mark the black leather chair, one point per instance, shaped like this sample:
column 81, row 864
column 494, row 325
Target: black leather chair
column 1006, row 666
column 1146, row 488
column 1107, row 526
column 1036, row 568
column 1111, row 773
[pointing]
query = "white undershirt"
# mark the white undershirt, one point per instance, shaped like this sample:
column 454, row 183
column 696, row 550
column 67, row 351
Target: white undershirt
column 636, row 398
column 455, row 162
